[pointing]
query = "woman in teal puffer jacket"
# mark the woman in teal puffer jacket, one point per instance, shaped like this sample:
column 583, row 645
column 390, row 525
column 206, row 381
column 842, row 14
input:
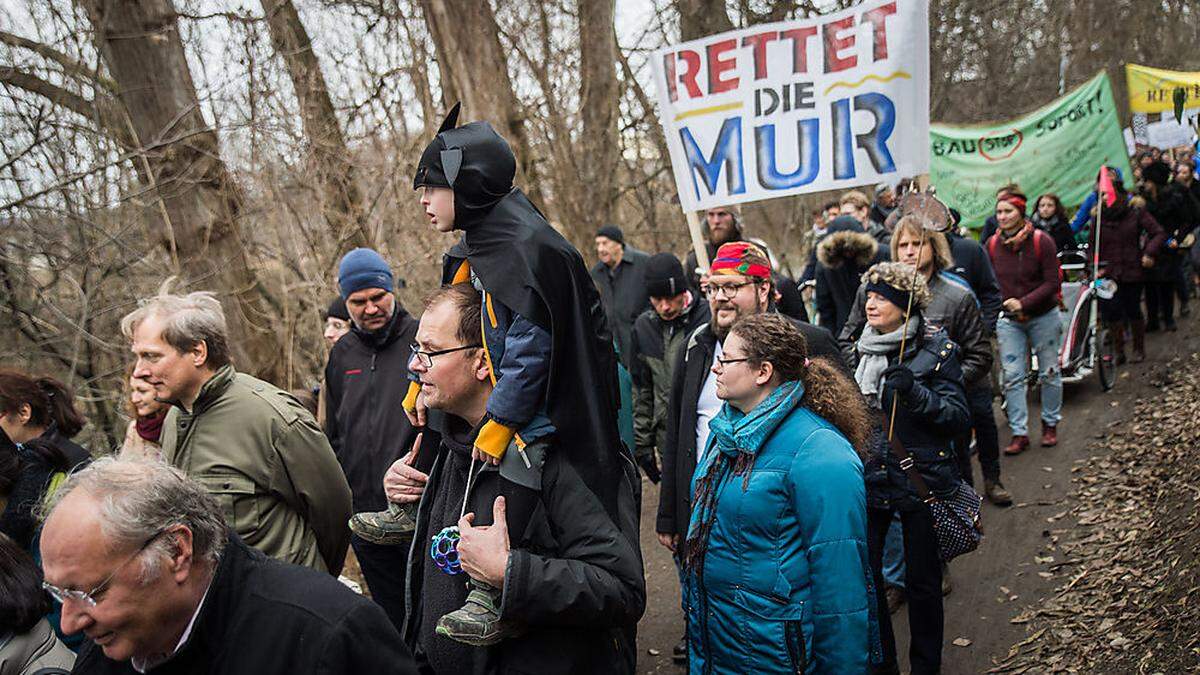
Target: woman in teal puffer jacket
column 776, row 553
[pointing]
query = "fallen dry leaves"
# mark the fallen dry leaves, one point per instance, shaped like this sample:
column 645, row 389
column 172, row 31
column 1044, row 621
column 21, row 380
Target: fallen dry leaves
column 1129, row 597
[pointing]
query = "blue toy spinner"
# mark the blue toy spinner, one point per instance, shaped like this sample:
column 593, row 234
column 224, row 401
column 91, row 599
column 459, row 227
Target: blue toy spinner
column 444, row 550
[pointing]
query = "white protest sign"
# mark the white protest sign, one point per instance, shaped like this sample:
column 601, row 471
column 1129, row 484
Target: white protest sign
column 1168, row 133
column 798, row 106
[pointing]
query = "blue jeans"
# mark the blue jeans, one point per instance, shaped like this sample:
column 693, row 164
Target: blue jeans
column 893, row 554
column 1043, row 335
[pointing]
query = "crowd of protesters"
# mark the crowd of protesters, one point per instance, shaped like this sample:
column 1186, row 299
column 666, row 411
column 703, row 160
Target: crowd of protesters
column 471, row 456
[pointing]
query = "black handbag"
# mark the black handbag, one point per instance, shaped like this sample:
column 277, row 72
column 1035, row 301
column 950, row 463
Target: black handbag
column 956, row 518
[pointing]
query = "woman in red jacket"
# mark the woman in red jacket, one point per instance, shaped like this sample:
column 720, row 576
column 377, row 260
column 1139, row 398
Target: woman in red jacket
column 1124, row 258
column 1026, row 264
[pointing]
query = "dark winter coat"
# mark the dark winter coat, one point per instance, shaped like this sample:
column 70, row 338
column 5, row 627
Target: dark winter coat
column 574, row 578
column 623, row 292
column 971, row 262
column 365, row 381
column 954, row 309
column 1126, row 234
column 658, row 345
column 1029, row 274
column 1058, row 229
column 264, row 617
column 842, row 257
column 679, row 451
column 37, row 468
column 927, row 421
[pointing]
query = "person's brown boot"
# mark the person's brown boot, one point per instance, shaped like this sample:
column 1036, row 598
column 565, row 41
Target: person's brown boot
column 1017, row 445
column 1139, row 340
column 996, row 493
column 1049, row 436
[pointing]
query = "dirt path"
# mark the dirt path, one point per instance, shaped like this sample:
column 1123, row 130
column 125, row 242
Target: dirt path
column 979, row 609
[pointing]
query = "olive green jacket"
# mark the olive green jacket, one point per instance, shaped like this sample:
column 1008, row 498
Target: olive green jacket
column 657, row 347
column 262, row 455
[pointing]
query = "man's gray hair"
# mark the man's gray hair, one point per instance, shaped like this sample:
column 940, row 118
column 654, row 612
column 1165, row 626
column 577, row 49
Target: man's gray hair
column 138, row 499
column 187, row 321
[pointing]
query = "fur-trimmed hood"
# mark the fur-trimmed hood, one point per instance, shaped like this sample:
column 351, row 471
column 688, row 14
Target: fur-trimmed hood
column 837, row 248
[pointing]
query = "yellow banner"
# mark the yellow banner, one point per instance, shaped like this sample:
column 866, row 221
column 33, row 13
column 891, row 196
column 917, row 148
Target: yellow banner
column 1153, row 89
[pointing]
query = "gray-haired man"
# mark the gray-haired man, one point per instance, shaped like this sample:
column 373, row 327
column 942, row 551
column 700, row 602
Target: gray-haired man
column 141, row 559
column 253, row 446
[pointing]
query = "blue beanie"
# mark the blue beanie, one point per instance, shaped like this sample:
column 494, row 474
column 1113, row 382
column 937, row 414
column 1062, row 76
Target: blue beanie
column 363, row 268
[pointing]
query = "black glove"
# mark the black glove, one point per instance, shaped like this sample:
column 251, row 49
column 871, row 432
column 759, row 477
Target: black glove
column 650, row 466
column 899, row 379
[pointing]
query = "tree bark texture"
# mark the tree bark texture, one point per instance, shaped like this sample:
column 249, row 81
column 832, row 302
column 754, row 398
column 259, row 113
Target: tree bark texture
column 337, row 178
column 201, row 203
column 598, row 98
column 474, row 70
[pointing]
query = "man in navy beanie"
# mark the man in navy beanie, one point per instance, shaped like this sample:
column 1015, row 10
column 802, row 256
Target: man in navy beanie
column 365, row 380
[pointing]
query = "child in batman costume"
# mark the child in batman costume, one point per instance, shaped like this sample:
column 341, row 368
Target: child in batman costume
column 547, row 346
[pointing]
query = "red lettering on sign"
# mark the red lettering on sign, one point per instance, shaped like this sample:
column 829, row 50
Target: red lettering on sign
column 692, row 59
column 799, row 38
column 759, row 42
column 878, row 20
column 717, row 66
column 835, row 44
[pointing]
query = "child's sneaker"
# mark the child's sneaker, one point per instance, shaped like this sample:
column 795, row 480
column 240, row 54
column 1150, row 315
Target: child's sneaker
column 393, row 526
column 478, row 622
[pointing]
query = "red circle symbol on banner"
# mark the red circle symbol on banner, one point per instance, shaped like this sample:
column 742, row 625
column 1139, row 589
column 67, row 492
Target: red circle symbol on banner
column 1000, row 145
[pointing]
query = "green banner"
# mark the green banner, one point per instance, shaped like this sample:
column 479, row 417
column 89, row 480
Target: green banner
column 1058, row 148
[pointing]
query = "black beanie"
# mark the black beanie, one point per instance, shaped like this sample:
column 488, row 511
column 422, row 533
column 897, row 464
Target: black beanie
column 612, row 232
column 337, row 310
column 664, row 276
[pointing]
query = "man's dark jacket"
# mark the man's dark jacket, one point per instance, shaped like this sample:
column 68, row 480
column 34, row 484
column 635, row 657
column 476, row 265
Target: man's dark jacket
column 574, row 577
column 365, row 381
column 971, row 262
column 265, row 617
column 657, row 346
column 679, row 453
column 623, row 291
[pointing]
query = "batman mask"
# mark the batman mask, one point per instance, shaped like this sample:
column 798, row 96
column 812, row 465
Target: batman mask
column 474, row 161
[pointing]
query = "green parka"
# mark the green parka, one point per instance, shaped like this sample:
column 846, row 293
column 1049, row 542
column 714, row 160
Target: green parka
column 262, row 455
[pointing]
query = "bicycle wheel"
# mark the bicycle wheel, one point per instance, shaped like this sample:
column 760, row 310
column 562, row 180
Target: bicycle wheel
column 1106, row 358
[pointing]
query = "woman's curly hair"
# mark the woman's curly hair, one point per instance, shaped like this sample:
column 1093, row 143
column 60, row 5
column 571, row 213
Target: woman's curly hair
column 828, row 391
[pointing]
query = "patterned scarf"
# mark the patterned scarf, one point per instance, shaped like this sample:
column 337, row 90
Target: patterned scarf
column 1017, row 240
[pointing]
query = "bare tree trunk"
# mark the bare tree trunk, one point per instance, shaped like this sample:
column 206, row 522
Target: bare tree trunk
column 598, row 100
column 474, row 69
column 201, row 203
column 698, row 18
column 341, row 197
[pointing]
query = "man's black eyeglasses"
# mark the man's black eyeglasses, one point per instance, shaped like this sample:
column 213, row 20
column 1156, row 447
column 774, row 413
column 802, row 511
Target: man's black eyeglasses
column 426, row 358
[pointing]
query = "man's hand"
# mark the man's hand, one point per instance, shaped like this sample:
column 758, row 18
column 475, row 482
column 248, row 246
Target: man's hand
column 402, row 483
column 1147, row 262
column 1012, row 305
column 481, row 456
column 484, row 550
column 650, row 466
column 671, row 541
column 417, row 416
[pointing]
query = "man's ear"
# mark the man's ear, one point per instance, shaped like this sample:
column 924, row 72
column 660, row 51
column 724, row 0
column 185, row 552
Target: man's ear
column 179, row 551
column 482, row 372
column 199, row 354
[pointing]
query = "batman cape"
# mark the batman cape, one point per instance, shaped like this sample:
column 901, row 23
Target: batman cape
column 527, row 265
